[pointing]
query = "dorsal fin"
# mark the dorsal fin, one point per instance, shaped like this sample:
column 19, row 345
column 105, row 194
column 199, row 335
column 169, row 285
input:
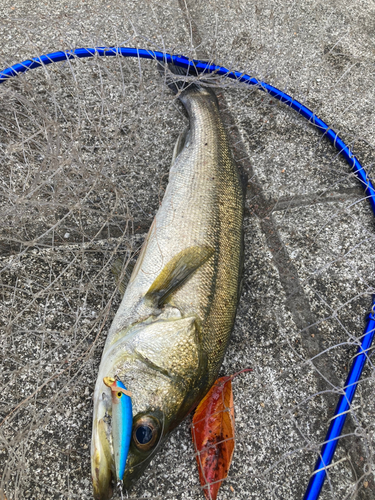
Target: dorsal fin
column 122, row 278
column 182, row 141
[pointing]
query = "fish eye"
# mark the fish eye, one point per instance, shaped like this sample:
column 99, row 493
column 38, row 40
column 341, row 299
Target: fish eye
column 145, row 433
column 119, row 394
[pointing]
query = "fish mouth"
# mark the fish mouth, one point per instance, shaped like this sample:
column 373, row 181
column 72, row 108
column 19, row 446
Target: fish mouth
column 101, row 477
column 102, row 463
column 104, row 478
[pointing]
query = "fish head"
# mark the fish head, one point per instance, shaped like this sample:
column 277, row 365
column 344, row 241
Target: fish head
column 163, row 364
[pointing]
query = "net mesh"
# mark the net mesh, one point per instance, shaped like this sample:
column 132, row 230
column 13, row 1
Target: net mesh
column 85, row 150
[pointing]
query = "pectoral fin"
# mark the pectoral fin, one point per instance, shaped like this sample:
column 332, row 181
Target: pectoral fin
column 177, row 271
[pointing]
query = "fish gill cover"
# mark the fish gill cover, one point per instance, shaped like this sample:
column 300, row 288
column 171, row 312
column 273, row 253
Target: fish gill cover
column 85, row 150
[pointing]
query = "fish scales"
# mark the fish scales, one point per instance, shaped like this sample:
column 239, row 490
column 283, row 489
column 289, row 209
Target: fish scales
column 202, row 206
column 169, row 336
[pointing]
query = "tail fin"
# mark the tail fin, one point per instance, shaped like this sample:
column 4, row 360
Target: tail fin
column 177, row 77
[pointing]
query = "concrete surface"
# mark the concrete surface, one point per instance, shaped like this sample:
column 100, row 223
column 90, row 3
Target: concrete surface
column 85, row 152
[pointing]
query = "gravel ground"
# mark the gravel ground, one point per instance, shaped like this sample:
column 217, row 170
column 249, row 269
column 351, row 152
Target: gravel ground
column 85, row 152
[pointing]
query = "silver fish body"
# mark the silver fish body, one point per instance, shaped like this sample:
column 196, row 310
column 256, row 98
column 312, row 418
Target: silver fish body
column 169, row 336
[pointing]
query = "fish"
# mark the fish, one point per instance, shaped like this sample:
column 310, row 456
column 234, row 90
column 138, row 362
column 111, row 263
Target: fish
column 170, row 333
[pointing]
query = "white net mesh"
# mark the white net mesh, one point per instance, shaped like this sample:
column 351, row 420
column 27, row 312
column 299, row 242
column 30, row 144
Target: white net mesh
column 86, row 147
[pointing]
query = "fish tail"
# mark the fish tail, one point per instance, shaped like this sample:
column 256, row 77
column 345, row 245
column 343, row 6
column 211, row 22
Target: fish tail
column 179, row 79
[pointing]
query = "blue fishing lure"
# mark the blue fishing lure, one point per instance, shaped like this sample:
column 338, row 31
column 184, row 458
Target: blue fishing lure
column 122, row 421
